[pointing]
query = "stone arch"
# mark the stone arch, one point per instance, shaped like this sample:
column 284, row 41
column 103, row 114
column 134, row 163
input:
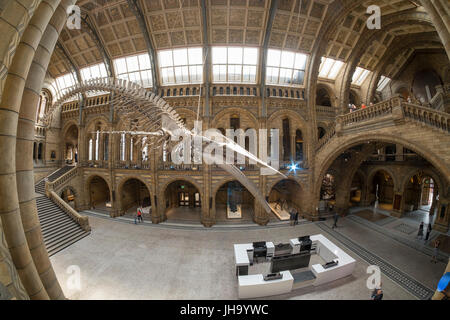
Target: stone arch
column 73, row 143
column 120, row 187
column 391, row 173
column 88, row 191
column 231, row 110
column 73, row 190
column 333, row 153
column 191, row 116
column 172, row 203
column 300, row 204
column 324, row 94
column 428, row 172
column 220, row 200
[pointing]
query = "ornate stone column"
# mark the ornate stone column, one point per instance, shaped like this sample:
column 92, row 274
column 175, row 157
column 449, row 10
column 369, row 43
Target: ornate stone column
column 442, row 221
column 127, row 149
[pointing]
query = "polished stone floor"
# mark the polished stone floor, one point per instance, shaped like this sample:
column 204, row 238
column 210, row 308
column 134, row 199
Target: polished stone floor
column 121, row 260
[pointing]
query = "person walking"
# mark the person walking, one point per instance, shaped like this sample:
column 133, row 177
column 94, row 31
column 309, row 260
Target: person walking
column 336, row 218
column 139, row 214
column 437, row 242
column 428, row 232
column 377, row 294
column 291, row 217
column 296, row 217
column 420, row 233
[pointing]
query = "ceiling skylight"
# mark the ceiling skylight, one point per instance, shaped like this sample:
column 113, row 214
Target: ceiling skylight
column 234, row 64
column 285, row 67
column 135, row 68
column 181, row 65
column 330, row 68
column 359, row 76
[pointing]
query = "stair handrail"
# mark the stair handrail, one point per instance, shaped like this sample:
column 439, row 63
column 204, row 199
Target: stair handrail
column 327, row 137
column 83, row 221
column 53, row 185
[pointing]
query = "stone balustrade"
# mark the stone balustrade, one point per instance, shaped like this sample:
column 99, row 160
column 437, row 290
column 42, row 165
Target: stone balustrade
column 83, row 221
column 377, row 110
column 234, row 90
column 61, row 181
column 434, row 118
column 327, row 137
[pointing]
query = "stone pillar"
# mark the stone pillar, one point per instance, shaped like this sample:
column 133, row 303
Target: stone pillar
column 434, row 204
column 260, row 215
column 399, row 153
column 18, row 208
column 440, row 19
column 139, row 153
column 293, row 136
column 442, row 221
column 127, row 149
column 208, row 215
column 101, row 149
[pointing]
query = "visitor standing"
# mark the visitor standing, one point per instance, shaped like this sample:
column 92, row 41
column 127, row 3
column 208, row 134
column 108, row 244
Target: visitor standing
column 336, row 218
column 139, row 214
column 428, row 232
column 291, row 216
column 437, row 242
column 420, row 233
column 296, row 217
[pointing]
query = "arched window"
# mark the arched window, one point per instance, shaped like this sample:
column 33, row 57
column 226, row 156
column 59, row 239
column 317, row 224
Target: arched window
column 90, row 149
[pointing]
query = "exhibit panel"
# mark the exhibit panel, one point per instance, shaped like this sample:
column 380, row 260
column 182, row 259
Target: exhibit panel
column 290, row 266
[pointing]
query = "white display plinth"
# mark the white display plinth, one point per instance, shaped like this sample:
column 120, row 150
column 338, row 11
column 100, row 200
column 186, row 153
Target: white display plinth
column 328, row 251
column 254, row 286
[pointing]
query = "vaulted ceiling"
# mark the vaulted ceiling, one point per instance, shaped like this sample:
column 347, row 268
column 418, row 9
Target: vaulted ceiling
column 180, row 23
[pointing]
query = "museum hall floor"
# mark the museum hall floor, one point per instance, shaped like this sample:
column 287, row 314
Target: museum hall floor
column 121, row 260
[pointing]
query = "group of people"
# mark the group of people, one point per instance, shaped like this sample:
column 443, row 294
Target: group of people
column 436, row 242
column 354, row 108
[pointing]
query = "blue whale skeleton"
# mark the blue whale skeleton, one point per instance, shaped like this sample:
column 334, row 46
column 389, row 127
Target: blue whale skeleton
column 160, row 124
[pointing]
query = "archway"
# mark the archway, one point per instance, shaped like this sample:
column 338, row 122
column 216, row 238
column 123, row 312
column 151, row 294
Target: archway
column 69, row 196
column 134, row 193
column 421, row 194
column 71, row 144
column 356, row 189
column 99, row 194
column 183, row 201
column 284, row 196
column 327, row 192
column 234, row 202
column 382, row 188
column 323, row 97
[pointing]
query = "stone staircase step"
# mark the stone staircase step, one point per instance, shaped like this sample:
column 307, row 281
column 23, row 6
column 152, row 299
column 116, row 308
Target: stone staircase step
column 59, row 231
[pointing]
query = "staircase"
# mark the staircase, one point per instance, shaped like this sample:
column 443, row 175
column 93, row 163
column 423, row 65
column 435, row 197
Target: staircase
column 40, row 186
column 58, row 229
